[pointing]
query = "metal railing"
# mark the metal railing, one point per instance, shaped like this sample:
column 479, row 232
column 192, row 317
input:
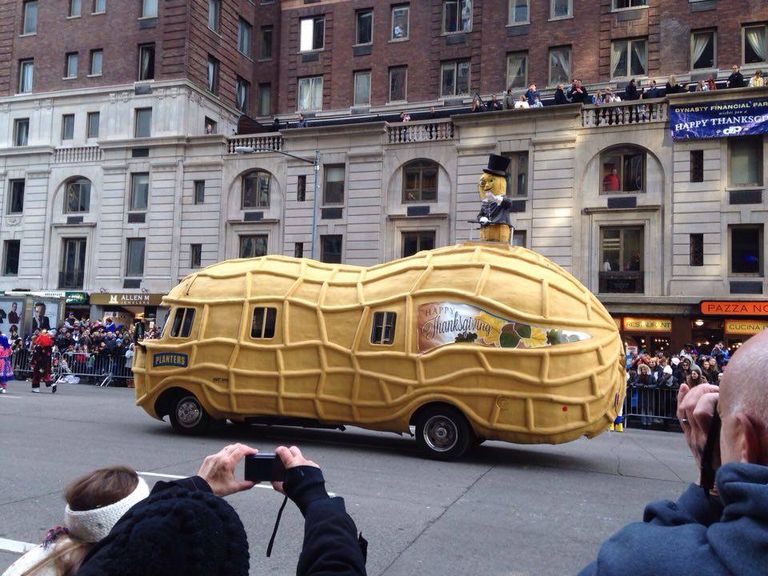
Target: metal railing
column 630, row 282
column 651, row 405
column 420, row 131
column 258, row 143
column 101, row 369
column 624, row 113
column 77, row 155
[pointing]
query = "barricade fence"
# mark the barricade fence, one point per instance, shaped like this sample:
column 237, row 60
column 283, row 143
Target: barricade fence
column 100, row 369
column 651, row 405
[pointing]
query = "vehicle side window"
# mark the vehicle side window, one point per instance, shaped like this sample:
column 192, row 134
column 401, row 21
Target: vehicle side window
column 383, row 327
column 264, row 320
column 182, row 322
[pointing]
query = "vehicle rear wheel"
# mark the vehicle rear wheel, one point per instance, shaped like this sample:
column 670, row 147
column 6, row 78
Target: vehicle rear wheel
column 188, row 416
column 443, row 432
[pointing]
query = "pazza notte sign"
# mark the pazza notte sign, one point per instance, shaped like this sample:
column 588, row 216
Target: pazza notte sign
column 719, row 119
column 734, row 308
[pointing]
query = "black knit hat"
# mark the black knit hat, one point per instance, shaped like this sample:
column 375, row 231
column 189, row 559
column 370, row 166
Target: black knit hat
column 497, row 165
column 173, row 532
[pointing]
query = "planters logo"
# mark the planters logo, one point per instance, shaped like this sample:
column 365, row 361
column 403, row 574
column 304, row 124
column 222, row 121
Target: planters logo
column 170, row 359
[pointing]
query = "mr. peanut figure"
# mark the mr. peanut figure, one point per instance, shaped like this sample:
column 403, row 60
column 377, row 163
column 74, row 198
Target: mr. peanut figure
column 495, row 208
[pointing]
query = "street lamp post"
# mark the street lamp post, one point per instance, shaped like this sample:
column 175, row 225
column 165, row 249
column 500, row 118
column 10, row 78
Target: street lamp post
column 315, row 188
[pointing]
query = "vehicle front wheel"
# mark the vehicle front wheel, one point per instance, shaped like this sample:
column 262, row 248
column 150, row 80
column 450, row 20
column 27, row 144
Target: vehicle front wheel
column 443, row 432
column 188, row 416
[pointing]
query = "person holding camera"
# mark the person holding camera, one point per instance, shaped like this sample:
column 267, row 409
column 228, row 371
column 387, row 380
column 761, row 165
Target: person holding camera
column 718, row 526
column 186, row 527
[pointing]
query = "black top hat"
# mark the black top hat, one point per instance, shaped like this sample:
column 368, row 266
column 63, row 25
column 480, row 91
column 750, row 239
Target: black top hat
column 497, row 165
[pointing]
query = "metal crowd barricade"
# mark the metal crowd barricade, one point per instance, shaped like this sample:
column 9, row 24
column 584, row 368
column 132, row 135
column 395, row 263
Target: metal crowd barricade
column 651, row 405
column 100, row 369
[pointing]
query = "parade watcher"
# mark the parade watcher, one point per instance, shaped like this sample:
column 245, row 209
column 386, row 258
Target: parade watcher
column 673, row 87
column 711, row 84
column 631, row 92
column 509, row 100
column 532, row 94
column 652, row 91
column 494, row 105
column 735, row 80
column 522, row 103
column 560, row 97
column 578, row 93
column 757, row 80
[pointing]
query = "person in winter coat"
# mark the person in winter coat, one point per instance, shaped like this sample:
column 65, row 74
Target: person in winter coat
column 718, row 526
column 560, row 97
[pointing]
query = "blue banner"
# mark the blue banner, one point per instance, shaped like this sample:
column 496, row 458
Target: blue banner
column 719, row 119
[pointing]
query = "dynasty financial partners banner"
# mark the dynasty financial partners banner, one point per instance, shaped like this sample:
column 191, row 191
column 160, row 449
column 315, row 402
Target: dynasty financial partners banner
column 719, row 120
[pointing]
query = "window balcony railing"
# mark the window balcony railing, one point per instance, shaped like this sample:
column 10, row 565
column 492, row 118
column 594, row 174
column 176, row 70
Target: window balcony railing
column 622, row 282
column 256, row 143
column 420, row 131
column 77, row 155
column 625, row 113
column 71, row 279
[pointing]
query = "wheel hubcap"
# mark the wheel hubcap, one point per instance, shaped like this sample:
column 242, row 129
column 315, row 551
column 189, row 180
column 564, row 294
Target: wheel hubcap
column 188, row 412
column 440, row 433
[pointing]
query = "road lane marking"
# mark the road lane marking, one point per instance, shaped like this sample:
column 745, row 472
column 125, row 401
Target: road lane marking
column 175, row 477
column 15, row 546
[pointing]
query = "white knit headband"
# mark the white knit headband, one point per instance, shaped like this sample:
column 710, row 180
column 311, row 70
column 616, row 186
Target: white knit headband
column 93, row 525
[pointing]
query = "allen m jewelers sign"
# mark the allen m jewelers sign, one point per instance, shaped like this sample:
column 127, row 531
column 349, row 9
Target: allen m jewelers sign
column 719, row 119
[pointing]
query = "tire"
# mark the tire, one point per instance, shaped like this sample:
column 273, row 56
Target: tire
column 188, row 416
column 443, row 433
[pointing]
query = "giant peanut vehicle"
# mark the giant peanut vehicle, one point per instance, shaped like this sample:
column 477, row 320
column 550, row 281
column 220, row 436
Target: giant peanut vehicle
column 464, row 343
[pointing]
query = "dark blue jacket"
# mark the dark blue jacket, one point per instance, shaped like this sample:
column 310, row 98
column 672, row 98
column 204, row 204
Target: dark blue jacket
column 697, row 534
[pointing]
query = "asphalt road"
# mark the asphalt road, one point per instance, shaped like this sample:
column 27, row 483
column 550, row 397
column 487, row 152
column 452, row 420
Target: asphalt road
column 505, row 510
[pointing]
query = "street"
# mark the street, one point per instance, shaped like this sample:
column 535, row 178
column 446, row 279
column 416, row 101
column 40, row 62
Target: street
column 505, row 509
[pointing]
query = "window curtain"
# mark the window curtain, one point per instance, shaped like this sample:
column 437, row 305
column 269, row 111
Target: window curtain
column 560, row 66
column 466, row 15
column 211, row 75
column 146, row 62
column 317, row 94
column 639, row 58
column 516, row 71
column 618, row 59
column 700, row 43
column 26, row 83
column 520, row 11
column 756, row 40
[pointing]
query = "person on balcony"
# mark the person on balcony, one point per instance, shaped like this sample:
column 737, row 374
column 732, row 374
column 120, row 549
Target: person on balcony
column 757, row 81
column 736, row 79
column 560, row 97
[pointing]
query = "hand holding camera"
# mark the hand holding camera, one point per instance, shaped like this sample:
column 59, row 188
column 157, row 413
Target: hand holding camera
column 696, row 410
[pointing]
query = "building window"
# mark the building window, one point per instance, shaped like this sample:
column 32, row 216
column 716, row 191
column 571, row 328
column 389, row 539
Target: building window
column 298, row 250
column 134, row 264
column 242, row 94
column 265, row 48
column 623, row 170
column 214, row 14
column 620, row 4
column 457, row 16
column 517, row 174
column 697, row 165
column 183, row 322
column 72, row 271
column 11, row 249
column 561, row 9
column 149, row 9
column 703, row 51
column 70, row 67
column 333, row 191
column 99, row 6
column 67, row 126
column 210, row 125
column 75, row 8
column 97, row 57
column 199, row 186
column 16, row 199
column 362, row 87
column 755, row 47
column 519, row 12
column 621, row 254
column 29, row 21
column 364, row 26
column 195, row 255
column 26, row 74
column 77, row 196
column 21, row 131
column 93, row 125
column 265, row 99
column 746, row 161
column 310, row 94
column 244, row 33
column 330, row 248
column 747, row 250
column 420, row 181
column 517, row 70
column 143, row 125
column 146, row 62
column 139, row 192
column 301, row 188
column 383, row 328
column 454, row 78
column 414, row 242
column 559, row 65
column 398, row 84
column 264, row 321
column 520, row 238
column 400, row 22
column 213, row 74
column 255, row 190
column 628, row 58
column 253, row 246
column 312, row 34
column 696, row 245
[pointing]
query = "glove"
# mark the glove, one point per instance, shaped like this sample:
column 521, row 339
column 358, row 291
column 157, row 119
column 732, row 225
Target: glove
column 483, row 220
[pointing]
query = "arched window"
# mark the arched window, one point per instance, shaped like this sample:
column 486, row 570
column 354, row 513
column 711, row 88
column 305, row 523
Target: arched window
column 420, row 181
column 77, row 195
column 622, row 169
column 255, row 190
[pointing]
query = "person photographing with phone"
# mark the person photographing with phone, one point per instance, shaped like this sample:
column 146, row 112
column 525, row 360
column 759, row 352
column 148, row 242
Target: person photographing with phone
column 720, row 525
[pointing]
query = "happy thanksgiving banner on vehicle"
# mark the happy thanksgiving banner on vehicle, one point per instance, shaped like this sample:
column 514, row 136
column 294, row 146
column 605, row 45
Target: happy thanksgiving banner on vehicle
column 719, row 119
column 441, row 323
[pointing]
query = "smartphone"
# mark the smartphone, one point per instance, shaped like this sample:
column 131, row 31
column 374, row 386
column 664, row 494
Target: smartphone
column 710, row 457
column 264, row 467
